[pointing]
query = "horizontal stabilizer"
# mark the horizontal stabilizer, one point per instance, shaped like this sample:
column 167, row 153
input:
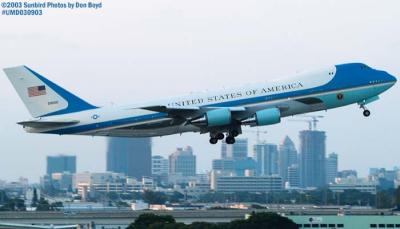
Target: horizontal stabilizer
column 47, row 124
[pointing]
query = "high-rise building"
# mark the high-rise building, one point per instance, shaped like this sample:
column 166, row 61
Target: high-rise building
column 88, row 184
column 159, row 165
column 312, row 158
column 60, row 164
column 374, row 171
column 248, row 184
column 243, row 165
column 223, row 164
column 293, row 176
column 266, row 156
column 234, row 151
column 287, row 157
column 353, row 183
column 223, row 149
column 130, row 156
column 347, row 173
column 386, row 178
column 383, row 173
column 331, row 167
column 236, row 167
column 62, row 181
column 183, row 162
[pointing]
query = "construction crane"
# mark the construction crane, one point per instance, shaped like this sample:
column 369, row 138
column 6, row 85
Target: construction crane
column 312, row 123
column 258, row 132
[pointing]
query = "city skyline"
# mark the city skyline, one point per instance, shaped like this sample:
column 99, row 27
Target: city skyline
column 229, row 45
column 61, row 171
column 250, row 149
column 275, row 169
column 238, row 174
column 277, row 149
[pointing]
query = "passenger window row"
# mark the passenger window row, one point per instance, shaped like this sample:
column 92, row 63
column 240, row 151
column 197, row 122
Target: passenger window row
column 381, row 225
column 375, row 81
column 322, row 225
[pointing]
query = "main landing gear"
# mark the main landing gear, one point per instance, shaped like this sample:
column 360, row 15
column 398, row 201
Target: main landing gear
column 215, row 137
column 213, row 141
column 366, row 112
column 230, row 138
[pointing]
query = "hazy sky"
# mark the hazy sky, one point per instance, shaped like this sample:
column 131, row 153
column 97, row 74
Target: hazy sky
column 137, row 50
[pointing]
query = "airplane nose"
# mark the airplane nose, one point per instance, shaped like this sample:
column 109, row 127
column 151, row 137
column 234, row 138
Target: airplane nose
column 392, row 78
column 386, row 77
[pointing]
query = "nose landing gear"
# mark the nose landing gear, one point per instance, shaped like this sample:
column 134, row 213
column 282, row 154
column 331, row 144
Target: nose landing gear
column 366, row 112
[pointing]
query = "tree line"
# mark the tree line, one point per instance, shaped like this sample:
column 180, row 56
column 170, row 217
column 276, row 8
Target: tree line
column 383, row 199
column 264, row 220
column 18, row 204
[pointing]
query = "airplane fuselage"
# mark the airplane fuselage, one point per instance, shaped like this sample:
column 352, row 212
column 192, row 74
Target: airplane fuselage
column 323, row 89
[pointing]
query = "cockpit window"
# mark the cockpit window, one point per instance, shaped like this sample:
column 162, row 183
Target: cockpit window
column 363, row 66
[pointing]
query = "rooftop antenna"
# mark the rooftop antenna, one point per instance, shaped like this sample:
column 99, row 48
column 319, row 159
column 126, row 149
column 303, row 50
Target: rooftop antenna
column 258, row 132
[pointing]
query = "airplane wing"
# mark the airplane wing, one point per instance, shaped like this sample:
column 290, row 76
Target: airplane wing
column 312, row 104
column 194, row 115
column 167, row 109
column 63, row 227
column 48, row 124
column 212, row 118
column 176, row 117
column 178, row 109
column 188, row 112
column 17, row 225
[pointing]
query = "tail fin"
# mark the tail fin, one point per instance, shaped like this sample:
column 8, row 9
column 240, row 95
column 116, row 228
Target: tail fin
column 41, row 96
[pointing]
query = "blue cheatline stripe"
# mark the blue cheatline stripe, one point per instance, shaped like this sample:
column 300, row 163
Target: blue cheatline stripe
column 347, row 76
column 75, row 103
column 117, row 122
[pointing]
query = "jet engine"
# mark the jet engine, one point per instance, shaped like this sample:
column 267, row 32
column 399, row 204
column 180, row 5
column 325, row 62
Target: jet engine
column 264, row 117
column 217, row 117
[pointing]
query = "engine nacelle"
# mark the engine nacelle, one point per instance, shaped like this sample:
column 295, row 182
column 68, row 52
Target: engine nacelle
column 217, row 117
column 264, row 117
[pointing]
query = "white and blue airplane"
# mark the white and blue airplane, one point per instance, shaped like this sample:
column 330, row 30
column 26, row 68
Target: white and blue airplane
column 221, row 114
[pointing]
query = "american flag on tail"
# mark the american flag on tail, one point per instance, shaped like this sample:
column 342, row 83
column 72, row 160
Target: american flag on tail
column 36, row 91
